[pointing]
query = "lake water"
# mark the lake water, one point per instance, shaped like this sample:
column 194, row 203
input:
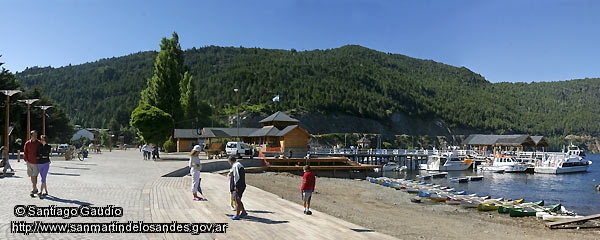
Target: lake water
column 575, row 191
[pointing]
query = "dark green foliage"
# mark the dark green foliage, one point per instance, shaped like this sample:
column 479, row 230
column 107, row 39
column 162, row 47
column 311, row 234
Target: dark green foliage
column 351, row 80
column 163, row 89
column 154, row 125
column 58, row 128
column 170, row 145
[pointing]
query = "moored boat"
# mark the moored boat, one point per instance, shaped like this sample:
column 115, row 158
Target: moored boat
column 506, row 164
column 475, row 178
column 459, row 179
column 390, row 166
column 566, row 162
column 446, row 162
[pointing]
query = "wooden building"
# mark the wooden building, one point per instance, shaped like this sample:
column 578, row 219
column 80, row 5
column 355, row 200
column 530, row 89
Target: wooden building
column 519, row 142
column 364, row 142
column 280, row 133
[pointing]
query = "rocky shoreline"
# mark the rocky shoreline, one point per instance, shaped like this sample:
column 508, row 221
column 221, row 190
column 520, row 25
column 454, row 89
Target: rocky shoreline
column 390, row 211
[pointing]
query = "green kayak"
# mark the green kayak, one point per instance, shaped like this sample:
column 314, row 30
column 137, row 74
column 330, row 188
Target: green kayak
column 507, row 208
column 532, row 210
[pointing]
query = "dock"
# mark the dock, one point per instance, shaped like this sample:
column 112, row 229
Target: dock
column 409, row 158
column 333, row 165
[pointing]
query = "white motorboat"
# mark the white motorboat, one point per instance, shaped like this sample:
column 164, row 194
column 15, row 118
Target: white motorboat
column 566, row 162
column 446, row 162
column 506, row 164
column 391, row 166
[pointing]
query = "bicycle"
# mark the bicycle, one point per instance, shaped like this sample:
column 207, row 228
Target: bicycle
column 79, row 152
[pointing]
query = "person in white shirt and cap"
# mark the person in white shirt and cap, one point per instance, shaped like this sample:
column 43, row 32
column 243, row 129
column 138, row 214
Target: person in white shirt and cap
column 195, row 167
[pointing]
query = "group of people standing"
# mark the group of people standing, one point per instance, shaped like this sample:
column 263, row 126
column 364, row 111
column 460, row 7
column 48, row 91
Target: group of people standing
column 37, row 157
column 149, row 152
column 237, row 183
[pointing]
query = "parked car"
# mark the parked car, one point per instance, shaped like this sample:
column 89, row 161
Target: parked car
column 62, row 149
column 239, row 149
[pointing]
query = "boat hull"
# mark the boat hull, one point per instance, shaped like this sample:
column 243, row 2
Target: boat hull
column 552, row 218
column 523, row 212
column 559, row 170
column 487, row 207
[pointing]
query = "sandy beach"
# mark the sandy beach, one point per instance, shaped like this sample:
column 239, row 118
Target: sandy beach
column 390, row 211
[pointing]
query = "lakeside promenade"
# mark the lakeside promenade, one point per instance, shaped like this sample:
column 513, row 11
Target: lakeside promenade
column 122, row 179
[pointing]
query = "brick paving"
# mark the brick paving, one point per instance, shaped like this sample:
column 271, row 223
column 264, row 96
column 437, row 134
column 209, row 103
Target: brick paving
column 123, row 179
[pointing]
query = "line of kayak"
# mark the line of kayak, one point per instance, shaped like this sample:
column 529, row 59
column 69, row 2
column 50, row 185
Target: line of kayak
column 451, row 196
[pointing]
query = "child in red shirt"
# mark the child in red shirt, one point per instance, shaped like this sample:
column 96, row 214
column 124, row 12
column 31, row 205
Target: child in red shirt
column 308, row 186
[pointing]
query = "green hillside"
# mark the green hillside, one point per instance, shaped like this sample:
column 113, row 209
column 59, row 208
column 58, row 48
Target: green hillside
column 350, row 80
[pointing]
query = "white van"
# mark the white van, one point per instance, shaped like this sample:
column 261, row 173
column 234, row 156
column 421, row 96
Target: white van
column 239, row 149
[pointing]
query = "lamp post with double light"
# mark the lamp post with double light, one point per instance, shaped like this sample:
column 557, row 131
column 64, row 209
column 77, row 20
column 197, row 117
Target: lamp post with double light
column 238, row 113
column 44, row 108
column 8, row 93
column 28, row 102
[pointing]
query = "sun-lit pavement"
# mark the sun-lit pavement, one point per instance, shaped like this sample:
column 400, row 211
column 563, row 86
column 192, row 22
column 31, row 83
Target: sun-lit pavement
column 122, row 179
column 113, row 178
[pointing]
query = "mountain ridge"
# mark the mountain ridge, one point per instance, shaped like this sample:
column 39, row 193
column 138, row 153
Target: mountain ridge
column 392, row 93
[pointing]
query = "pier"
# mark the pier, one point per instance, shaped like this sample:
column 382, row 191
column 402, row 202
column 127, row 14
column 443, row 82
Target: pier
column 319, row 165
column 409, row 158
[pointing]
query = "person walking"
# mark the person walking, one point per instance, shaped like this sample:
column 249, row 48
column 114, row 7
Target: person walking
column 144, row 147
column 307, row 188
column 19, row 144
column 237, row 186
column 195, row 167
column 5, row 161
column 31, row 159
column 44, row 164
column 148, row 151
column 231, row 199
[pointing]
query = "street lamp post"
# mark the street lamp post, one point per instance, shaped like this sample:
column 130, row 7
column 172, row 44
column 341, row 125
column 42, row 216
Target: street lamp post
column 238, row 113
column 8, row 93
column 44, row 108
column 110, row 143
column 28, row 102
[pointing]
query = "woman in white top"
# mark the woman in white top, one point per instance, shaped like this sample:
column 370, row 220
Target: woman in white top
column 195, row 168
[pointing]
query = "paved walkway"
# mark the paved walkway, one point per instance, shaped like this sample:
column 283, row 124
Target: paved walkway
column 123, row 179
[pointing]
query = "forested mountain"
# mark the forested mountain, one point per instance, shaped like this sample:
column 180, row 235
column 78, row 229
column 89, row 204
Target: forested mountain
column 351, row 80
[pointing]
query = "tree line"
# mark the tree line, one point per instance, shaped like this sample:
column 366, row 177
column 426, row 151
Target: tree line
column 351, row 79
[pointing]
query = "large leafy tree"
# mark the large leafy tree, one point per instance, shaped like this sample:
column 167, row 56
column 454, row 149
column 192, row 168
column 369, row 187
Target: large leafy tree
column 154, row 125
column 163, row 89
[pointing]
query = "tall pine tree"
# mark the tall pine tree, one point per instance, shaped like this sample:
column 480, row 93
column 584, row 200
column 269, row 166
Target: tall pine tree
column 188, row 103
column 163, row 89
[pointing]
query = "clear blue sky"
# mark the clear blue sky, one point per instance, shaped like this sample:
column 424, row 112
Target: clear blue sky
column 504, row 40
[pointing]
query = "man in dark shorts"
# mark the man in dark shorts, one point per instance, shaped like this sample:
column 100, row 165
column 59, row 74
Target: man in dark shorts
column 237, row 186
column 307, row 188
column 31, row 158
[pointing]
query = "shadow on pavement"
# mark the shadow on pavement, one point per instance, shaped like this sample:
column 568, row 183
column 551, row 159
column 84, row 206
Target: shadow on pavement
column 9, row 176
column 66, row 174
column 88, row 164
column 258, row 211
column 76, row 168
column 62, row 200
column 259, row 219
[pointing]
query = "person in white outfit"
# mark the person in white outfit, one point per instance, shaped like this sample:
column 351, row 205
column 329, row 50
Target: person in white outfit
column 195, row 167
